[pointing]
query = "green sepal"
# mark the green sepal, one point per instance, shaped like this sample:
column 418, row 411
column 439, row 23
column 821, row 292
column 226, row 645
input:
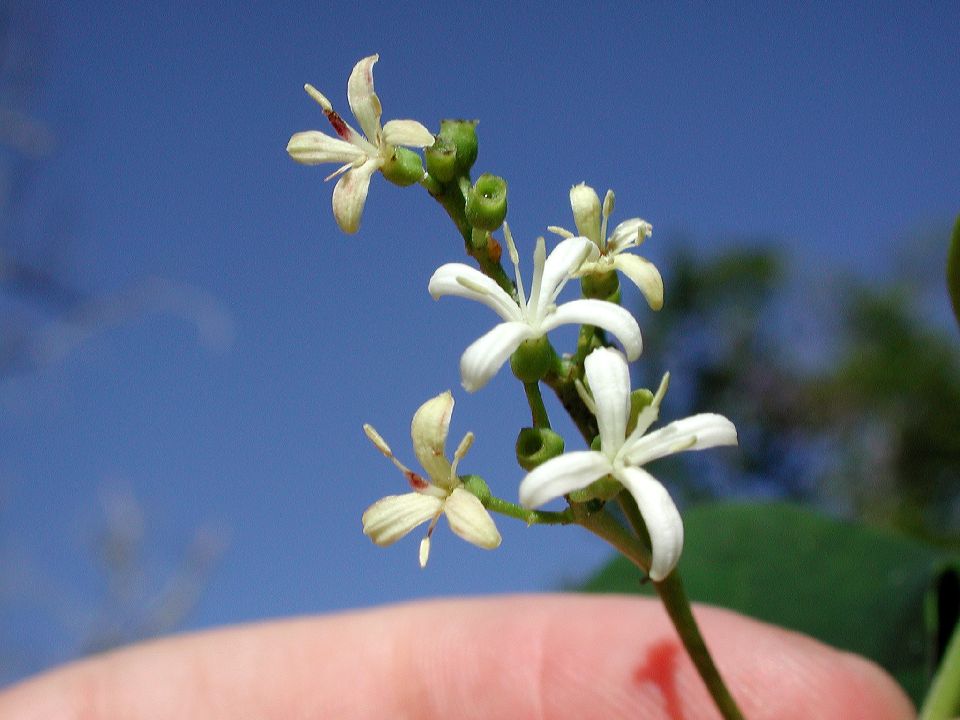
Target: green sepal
column 537, row 445
column 601, row 286
column 404, row 167
column 441, row 160
column 533, row 359
column 639, row 399
column 486, row 205
column 477, row 486
column 462, row 134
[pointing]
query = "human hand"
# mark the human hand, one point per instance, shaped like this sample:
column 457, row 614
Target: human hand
column 534, row 656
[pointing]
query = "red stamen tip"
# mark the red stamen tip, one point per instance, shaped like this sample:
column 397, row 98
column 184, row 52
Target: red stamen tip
column 416, row 481
column 338, row 124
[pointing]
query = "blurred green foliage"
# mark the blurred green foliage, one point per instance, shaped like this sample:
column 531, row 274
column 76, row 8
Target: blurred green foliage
column 845, row 394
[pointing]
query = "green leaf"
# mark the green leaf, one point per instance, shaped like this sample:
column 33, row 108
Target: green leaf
column 953, row 269
column 880, row 595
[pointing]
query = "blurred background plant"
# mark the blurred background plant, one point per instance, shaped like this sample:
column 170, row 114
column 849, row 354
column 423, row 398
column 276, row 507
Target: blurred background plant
column 846, row 393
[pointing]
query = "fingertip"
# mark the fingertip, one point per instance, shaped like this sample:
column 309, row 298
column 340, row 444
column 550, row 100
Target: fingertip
column 556, row 656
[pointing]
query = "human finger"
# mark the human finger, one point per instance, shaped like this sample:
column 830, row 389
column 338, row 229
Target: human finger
column 536, row 656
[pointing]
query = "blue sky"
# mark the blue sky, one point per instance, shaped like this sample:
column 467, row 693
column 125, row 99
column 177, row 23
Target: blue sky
column 831, row 132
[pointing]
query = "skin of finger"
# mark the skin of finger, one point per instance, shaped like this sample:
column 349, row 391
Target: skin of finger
column 540, row 656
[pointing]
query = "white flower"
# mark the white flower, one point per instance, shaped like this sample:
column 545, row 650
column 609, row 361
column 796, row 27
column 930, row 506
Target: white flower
column 623, row 456
column 630, row 233
column 533, row 317
column 362, row 155
column 392, row 517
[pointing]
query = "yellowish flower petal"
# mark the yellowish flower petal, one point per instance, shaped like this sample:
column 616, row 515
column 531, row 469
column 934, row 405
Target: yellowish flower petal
column 470, row 520
column 364, row 102
column 314, row 147
column 428, row 430
column 392, row 517
column 407, row 132
column 644, row 275
column 350, row 195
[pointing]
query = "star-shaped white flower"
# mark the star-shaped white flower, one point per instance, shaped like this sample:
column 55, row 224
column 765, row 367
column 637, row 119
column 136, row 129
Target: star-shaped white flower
column 592, row 223
column 623, row 456
column 361, row 155
column 442, row 493
column 533, row 317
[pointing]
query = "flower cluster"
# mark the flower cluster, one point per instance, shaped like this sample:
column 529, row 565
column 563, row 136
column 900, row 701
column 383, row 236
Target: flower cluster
column 623, row 444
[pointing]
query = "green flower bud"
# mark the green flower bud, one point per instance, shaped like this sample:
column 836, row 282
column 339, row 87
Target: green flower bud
column 403, row 168
column 487, row 202
column 533, row 359
column 441, row 160
column 601, row 286
column 476, row 485
column 462, row 134
column 537, row 445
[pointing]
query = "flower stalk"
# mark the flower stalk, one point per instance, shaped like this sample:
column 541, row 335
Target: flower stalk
column 677, row 605
column 674, row 598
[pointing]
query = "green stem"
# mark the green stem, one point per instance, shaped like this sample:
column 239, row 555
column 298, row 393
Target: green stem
column 537, row 408
column 677, row 605
column 530, row 517
column 605, row 526
column 943, row 698
column 586, row 342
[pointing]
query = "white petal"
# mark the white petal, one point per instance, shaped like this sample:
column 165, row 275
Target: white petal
column 644, row 275
column 561, row 263
column 586, row 211
column 407, row 132
column 313, row 147
column 470, row 520
column 392, row 517
column 486, row 356
column 479, row 287
column 609, row 379
column 561, row 475
column 364, row 102
column 350, row 194
column 661, row 517
column 628, row 234
column 696, row 432
column 612, row 318
column 429, row 429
